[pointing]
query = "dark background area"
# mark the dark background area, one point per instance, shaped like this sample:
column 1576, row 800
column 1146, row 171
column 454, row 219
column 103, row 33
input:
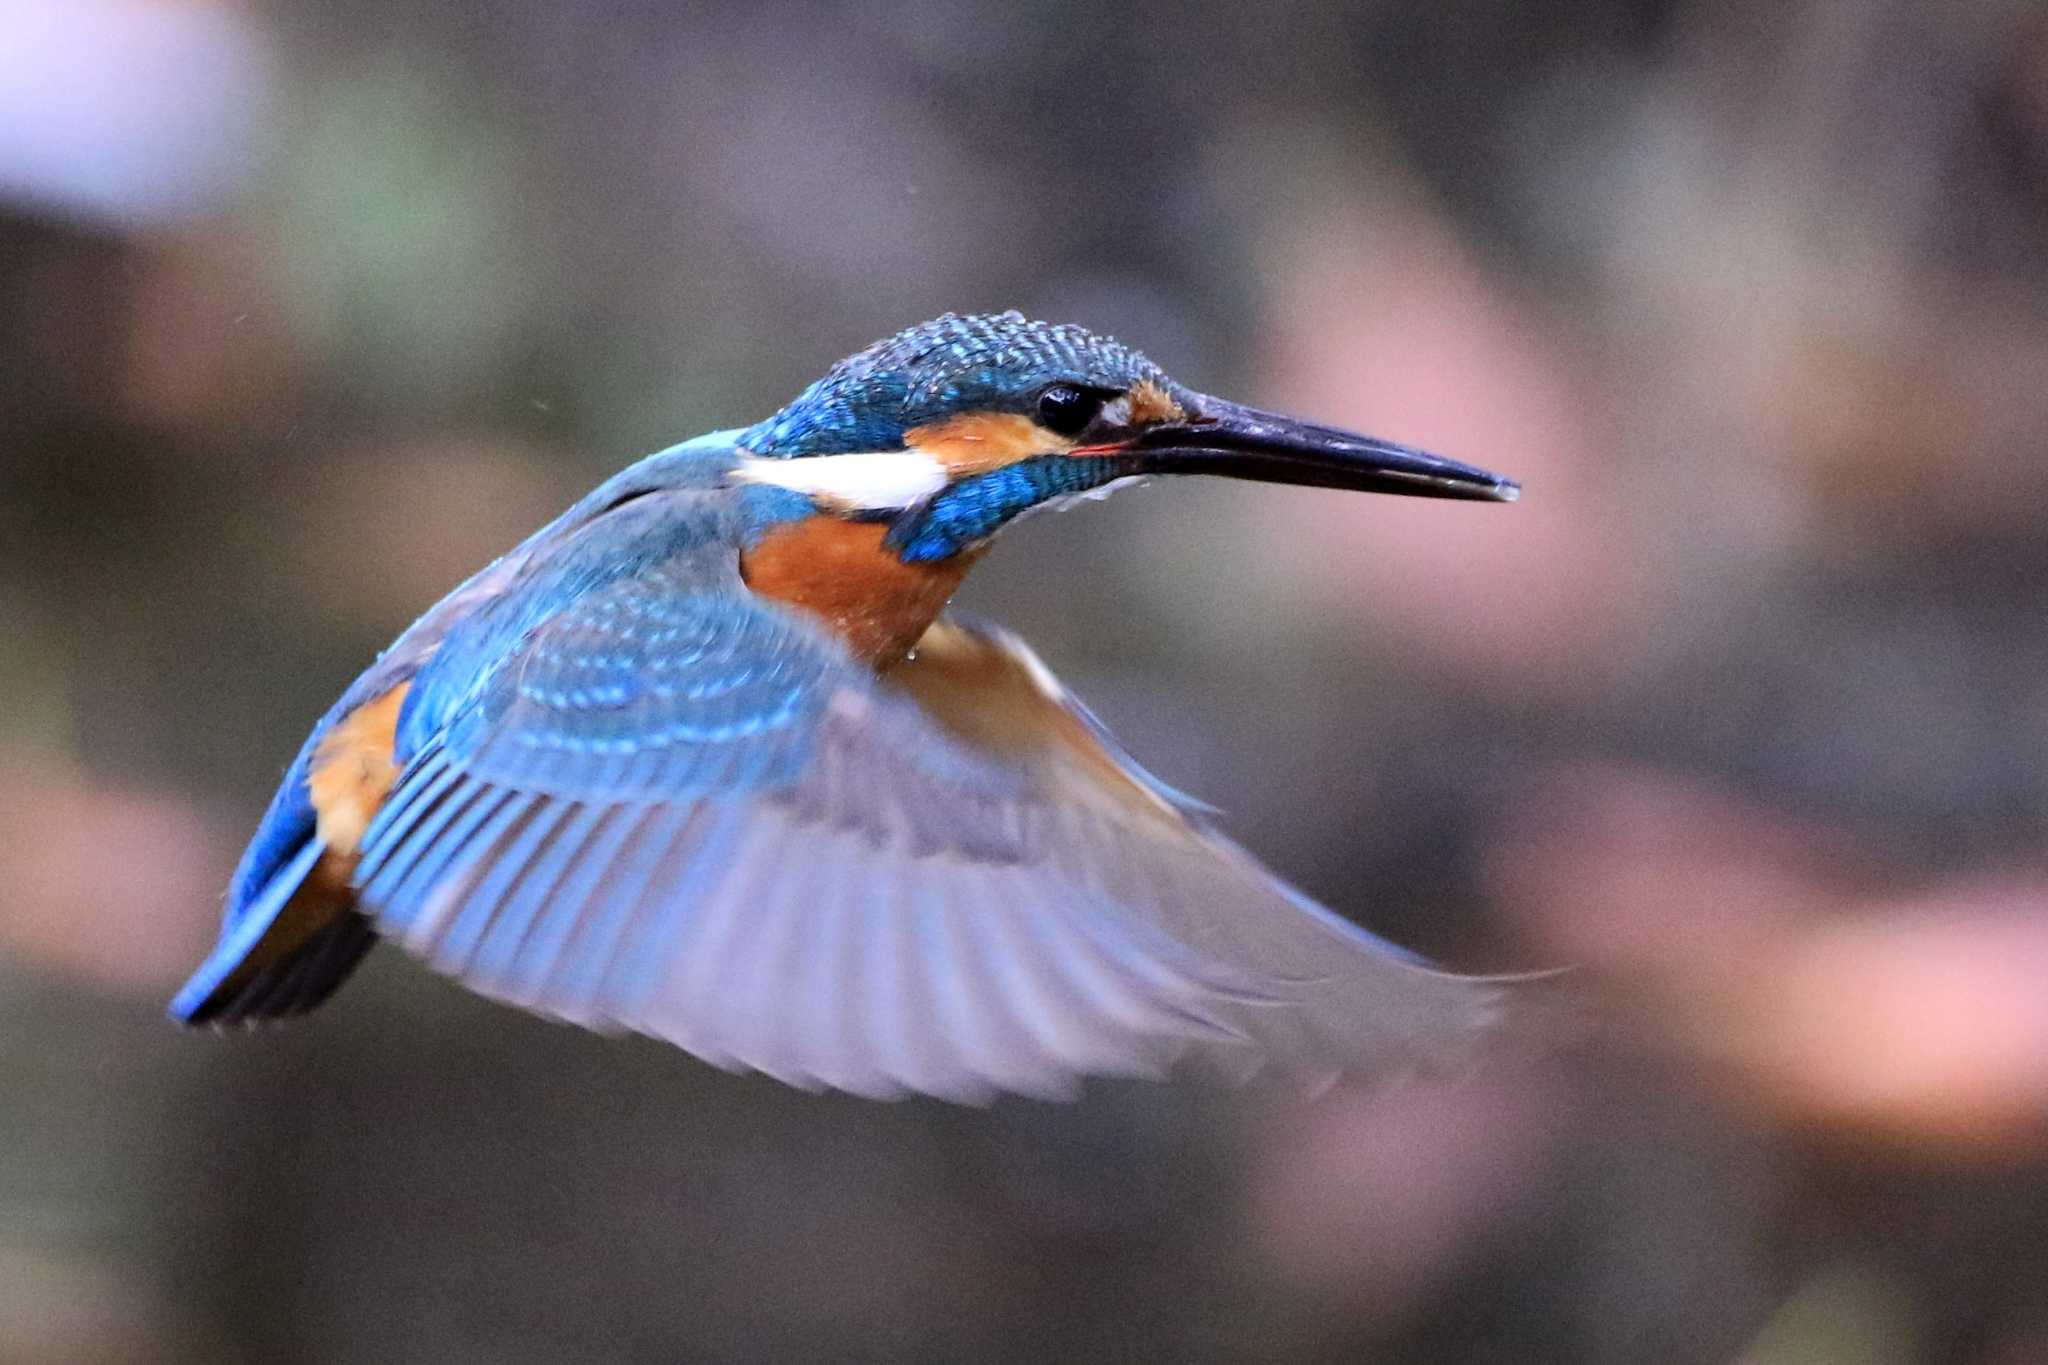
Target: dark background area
column 308, row 309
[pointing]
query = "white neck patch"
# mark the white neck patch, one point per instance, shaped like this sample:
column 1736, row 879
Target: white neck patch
column 869, row 481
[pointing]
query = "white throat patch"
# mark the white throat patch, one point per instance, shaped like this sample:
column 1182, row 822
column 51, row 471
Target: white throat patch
column 869, row 481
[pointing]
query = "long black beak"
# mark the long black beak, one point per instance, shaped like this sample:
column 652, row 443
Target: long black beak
column 1245, row 443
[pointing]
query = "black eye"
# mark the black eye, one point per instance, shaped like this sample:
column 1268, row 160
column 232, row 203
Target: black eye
column 1066, row 409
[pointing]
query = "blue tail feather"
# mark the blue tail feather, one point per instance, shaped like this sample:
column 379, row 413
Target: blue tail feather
column 246, row 926
column 246, row 976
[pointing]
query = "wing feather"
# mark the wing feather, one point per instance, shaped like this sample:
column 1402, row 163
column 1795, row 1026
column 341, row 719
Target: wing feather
column 771, row 910
column 439, row 925
column 622, row 917
column 584, row 864
column 693, row 818
column 426, row 799
column 1068, row 992
column 424, row 892
column 825, row 991
column 483, row 910
column 507, row 900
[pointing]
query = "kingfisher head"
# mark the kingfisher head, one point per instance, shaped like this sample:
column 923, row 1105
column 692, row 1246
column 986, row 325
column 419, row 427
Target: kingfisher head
column 948, row 430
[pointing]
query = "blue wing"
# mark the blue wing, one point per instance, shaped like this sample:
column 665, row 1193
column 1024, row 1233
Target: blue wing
column 641, row 799
column 289, row 935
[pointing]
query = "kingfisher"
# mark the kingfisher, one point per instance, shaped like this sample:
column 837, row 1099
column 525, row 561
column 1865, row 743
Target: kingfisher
column 706, row 759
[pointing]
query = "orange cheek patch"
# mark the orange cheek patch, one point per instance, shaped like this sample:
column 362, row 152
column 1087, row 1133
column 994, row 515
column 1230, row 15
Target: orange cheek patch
column 353, row 769
column 976, row 442
column 1151, row 403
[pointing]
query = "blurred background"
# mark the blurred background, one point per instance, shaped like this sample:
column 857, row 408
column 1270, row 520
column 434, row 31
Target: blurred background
column 310, row 307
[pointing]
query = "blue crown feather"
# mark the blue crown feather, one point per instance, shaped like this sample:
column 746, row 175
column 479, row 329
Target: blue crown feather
column 986, row 362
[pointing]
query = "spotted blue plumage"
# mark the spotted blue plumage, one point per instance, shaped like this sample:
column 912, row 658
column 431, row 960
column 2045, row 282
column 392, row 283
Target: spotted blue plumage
column 650, row 687
column 625, row 653
column 988, row 362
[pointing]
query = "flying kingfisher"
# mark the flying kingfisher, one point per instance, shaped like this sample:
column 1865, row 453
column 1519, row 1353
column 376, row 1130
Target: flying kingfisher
column 704, row 759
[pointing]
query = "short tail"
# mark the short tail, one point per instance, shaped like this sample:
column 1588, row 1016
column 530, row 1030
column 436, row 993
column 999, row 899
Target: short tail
column 284, row 953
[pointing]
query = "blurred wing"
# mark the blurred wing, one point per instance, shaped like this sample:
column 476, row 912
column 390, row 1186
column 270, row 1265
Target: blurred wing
column 690, row 816
column 1314, row 994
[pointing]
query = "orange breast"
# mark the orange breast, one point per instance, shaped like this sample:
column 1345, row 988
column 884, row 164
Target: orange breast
column 840, row 572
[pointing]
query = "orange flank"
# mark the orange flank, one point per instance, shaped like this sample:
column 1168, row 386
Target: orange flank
column 996, row 695
column 976, row 442
column 841, row 572
column 353, row 769
column 351, row 773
